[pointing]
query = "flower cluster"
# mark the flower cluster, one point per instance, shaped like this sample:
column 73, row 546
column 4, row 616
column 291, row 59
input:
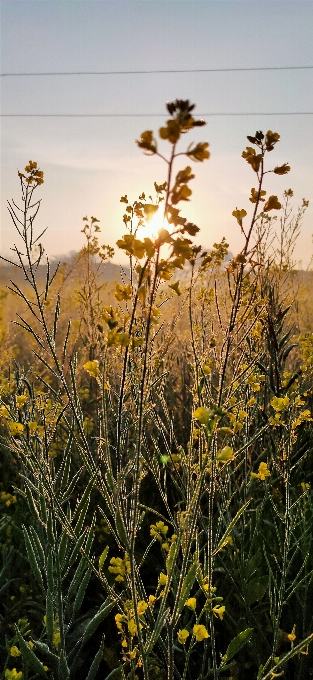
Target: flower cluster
column 263, row 472
column 7, row 498
column 120, row 566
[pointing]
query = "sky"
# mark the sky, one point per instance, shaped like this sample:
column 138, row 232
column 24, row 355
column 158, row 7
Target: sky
column 89, row 163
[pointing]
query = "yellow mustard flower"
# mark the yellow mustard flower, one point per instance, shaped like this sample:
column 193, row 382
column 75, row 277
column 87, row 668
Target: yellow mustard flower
column 13, row 674
column 304, row 416
column 119, row 619
column 292, row 636
column 219, row 611
column 203, row 415
column 159, row 530
column 182, row 636
column 162, row 579
column 4, row 412
column 280, row 404
column 200, row 632
column 21, row 400
column 92, row 367
column 151, row 600
column 132, row 627
column 120, row 566
column 263, row 472
column 14, row 651
column 257, row 330
column 191, row 603
column 305, row 486
column 225, row 455
column 56, row 639
column 205, row 586
column 15, row 428
column 123, row 292
column 131, row 654
column 141, row 607
column 7, row 498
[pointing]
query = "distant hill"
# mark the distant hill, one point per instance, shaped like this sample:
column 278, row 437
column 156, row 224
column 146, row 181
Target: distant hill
column 110, row 271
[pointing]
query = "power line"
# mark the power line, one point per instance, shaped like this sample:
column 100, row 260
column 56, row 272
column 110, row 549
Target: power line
column 148, row 115
column 192, row 70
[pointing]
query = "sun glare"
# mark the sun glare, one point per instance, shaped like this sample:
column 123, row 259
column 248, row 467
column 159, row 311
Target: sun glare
column 151, row 228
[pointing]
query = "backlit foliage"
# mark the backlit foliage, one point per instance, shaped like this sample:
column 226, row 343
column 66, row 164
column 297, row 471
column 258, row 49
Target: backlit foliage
column 157, row 504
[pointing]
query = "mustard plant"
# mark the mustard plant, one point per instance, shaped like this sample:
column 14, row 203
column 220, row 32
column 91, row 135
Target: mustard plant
column 191, row 582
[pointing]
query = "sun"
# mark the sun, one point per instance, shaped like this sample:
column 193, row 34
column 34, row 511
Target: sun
column 153, row 226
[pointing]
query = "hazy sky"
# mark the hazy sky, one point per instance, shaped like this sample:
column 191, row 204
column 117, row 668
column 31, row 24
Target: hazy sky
column 90, row 162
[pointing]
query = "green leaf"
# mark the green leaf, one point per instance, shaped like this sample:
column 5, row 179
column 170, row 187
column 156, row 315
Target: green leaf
column 32, row 557
column 63, row 547
column 230, row 527
column 30, row 656
column 76, row 549
column 159, row 624
column 120, row 529
column 92, row 626
column 170, row 557
column 66, row 464
column 64, row 671
column 116, row 673
column 70, row 488
column 50, row 578
column 44, row 649
column 187, row 585
column 76, row 578
column 50, row 529
column 37, row 546
column 221, row 669
column 90, row 536
column 110, row 480
column 81, row 590
column 236, row 644
column 49, row 615
column 256, row 589
column 96, row 662
column 82, row 507
column 31, row 502
column 102, row 557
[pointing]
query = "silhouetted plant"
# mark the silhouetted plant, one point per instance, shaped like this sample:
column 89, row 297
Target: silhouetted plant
column 208, row 527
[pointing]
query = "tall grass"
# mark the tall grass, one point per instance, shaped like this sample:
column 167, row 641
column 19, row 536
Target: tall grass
column 161, row 459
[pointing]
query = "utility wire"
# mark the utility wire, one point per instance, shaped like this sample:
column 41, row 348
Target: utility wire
column 147, row 115
column 191, row 70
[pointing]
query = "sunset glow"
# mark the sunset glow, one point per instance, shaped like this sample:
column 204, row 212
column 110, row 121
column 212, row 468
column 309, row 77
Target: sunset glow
column 153, row 226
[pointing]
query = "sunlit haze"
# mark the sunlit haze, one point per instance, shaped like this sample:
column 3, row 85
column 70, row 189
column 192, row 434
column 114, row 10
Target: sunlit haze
column 152, row 227
column 89, row 163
